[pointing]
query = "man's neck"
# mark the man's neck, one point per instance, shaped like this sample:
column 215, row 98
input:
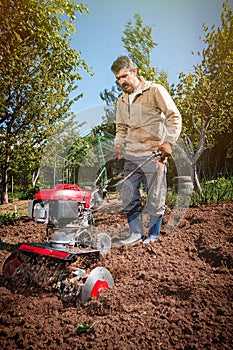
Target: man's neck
column 137, row 87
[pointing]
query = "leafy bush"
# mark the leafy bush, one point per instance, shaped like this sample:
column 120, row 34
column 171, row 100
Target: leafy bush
column 171, row 197
column 8, row 218
column 20, row 194
column 214, row 191
column 28, row 193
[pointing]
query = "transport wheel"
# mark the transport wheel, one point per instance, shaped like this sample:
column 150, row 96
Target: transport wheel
column 103, row 243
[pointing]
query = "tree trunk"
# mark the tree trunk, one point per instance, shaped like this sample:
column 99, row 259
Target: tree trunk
column 196, row 180
column 5, row 198
column 35, row 178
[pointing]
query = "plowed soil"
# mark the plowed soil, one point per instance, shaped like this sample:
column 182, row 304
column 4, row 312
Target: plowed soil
column 172, row 294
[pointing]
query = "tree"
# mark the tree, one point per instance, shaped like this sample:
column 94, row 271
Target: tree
column 38, row 70
column 138, row 42
column 110, row 97
column 205, row 96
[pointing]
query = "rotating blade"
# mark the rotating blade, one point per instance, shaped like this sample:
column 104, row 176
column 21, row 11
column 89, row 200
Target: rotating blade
column 10, row 265
column 99, row 279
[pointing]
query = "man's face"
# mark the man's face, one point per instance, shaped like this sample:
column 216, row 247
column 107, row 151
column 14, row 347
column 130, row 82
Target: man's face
column 127, row 79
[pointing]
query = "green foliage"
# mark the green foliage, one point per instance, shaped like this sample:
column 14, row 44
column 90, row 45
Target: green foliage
column 82, row 328
column 205, row 96
column 110, row 97
column 138, row 42
column 29, row 193
column 38, row 71
column 171, row 197
column 8, row 218
column 90, row 153
column 60, row 154
column 214, row 192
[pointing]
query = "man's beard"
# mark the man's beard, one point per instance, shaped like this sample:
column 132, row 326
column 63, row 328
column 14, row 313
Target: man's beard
column 127, row 88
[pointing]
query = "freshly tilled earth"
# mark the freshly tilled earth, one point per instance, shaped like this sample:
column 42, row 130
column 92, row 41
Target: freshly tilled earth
column 172, row 294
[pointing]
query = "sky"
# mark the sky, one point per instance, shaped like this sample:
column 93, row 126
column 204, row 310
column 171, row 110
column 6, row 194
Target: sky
column 176, row 28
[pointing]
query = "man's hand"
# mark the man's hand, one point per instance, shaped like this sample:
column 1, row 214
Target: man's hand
column 119, row 150
column 166, row 150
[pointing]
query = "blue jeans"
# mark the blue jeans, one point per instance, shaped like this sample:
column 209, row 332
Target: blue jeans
column 153, row 176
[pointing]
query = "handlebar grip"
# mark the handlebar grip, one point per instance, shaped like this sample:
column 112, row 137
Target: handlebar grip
column 157, row 153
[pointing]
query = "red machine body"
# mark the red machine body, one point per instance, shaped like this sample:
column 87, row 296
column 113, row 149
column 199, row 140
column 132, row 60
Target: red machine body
column 66, row 192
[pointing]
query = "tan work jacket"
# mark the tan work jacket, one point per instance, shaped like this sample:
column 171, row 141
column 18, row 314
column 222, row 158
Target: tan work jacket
column 150, row 120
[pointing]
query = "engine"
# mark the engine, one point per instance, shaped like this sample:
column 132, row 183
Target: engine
column 66, row 209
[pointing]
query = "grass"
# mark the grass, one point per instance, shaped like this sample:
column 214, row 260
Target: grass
column 10, row 212
column 213, row 192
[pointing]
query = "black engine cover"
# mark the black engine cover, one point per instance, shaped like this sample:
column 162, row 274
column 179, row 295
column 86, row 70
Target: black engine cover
column 64, row 210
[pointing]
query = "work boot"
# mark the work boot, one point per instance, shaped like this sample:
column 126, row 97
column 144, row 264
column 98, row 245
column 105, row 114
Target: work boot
column 135, row 228
column 134, row 238
column 154, row 231
column 150, row 239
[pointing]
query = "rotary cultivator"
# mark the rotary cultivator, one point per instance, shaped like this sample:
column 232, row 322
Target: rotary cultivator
column 66, row 263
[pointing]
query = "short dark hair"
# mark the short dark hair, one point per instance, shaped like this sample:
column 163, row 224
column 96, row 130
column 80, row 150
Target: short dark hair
column 122, row 62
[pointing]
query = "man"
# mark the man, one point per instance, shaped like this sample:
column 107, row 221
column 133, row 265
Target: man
column 147, row 120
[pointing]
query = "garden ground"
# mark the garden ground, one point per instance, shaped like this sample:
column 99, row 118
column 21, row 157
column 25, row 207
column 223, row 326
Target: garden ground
column 172, row 294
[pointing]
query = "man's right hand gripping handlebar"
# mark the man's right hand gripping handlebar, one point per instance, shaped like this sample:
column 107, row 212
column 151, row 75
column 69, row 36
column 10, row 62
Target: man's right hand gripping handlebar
column 165, row 149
